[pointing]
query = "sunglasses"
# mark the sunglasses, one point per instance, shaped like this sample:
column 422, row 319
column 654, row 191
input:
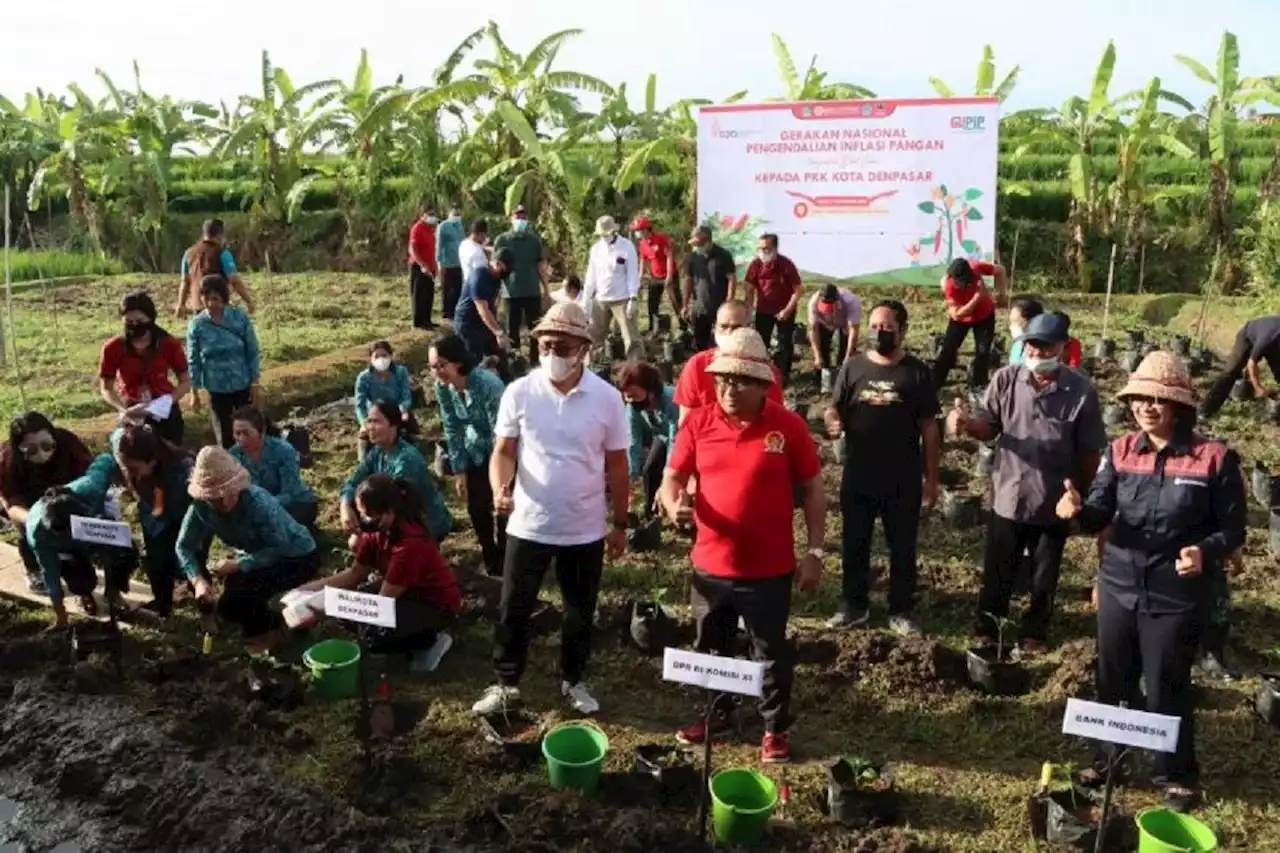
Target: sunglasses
column 560, row 348
column 1147, row 401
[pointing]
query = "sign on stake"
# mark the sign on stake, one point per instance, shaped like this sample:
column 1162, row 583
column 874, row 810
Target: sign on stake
column 377, row 610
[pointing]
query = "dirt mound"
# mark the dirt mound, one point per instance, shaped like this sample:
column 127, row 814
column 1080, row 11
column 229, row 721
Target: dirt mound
column 915, row 663
column 883, row 840
column 1074, row 677
column 860, row 650
column 95, row 769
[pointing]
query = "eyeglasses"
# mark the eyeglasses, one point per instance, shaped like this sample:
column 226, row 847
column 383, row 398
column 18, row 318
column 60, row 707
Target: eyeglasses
column 1143, row 402
column 736, row 383
column 37, row 447
column 563, row 349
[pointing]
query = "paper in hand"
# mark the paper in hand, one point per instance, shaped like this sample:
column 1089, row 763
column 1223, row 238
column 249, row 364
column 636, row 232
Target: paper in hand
column 161, row 407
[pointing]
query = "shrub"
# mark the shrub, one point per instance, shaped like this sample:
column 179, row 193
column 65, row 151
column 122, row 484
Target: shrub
column 32, row 265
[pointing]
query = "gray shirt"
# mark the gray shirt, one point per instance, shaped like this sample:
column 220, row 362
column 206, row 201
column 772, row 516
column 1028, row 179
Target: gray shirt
column 1042, row 435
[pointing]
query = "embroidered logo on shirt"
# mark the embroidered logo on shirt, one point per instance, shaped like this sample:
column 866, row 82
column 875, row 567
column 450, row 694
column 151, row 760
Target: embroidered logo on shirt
column 775, row 442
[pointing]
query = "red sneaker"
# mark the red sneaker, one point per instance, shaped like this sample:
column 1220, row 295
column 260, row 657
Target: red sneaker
column 775, row 748
column 695, row 734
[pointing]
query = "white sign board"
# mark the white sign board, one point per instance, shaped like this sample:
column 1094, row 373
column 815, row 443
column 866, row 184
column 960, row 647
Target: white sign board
column 727, row 675
column 862, row 192
column 1126, row 726
column 97, row 531
column 360, row 607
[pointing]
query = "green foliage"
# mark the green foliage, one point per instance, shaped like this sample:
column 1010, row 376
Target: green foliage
column 33, row 265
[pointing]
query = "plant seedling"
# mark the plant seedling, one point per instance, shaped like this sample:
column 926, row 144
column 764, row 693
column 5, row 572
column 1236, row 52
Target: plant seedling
column 1002, row 623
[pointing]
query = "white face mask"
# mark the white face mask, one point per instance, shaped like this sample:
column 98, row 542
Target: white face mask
column 558, row 367
column 722, row 340
column 1015, row 331
column 382, row 364
column 1042, row 366
column 764, row 256
column 431, row 220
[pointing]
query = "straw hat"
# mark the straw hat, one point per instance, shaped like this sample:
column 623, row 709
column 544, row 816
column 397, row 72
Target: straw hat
column 743, row 354
column 216, row 474
column 605, row 226
column 565, row 318
column 1161, row 376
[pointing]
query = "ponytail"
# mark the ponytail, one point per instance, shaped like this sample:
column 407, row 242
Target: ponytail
column 381, row 494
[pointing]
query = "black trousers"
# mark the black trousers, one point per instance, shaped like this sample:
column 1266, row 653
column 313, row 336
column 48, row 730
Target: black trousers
column 655, row 462
column 653, row 302
column 450, row 290
column 246, row 596
column 765, row 325
column 1221, row 388
column 1132, row 644
column 117, row 565
column 161, row 565
column 578, row 571
column 764, row 605
column 418, row 624
column 984, row 334
column 827, row 337
column 900, row 516
column 491, row 531
column 704, row 329
column 305, row 514
column 29, row 561
column 526, row 311
column 222, row 407
column 422, row 295
column 1007, row 541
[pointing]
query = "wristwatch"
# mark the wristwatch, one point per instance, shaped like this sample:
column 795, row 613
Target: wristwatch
column 817, row 552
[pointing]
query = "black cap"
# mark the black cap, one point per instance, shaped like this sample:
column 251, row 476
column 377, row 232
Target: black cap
column 830, row 293
column 505, row 256
column 1045, row 329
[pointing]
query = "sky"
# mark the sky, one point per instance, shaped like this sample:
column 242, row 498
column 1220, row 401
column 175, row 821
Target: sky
column 697, row 48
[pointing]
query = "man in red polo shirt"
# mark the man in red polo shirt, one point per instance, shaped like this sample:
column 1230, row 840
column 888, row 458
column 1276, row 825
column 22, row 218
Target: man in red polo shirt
column 696, row 387
column 969, row 306
column 773, row 289
column 655, row 247
column 749, row 454
column 422, row 267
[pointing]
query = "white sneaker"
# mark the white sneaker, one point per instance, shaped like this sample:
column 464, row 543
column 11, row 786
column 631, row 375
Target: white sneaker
column 427, row 660
column 495, row 700
column 580, row 698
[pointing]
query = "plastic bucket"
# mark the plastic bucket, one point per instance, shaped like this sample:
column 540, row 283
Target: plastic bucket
column 575, row 755
column 742, row 801
column 1164, row 831
column 335, row 668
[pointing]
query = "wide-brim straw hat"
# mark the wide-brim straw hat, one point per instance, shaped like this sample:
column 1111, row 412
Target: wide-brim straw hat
column 1161, row 376
column 565, row 318
column 216, row 474
column 606, row 225
column 743, row 354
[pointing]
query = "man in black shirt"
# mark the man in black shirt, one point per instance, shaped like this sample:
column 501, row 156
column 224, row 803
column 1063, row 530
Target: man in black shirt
column 1258, row 340
column 710, row 279
column 885, row 405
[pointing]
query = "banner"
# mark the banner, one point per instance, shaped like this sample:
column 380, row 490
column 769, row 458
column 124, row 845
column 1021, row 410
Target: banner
column 858, row 192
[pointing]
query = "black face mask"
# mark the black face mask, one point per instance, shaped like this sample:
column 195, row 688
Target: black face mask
column 886, row 341
column 639, row 405
column 369, row 525
column 137, row 331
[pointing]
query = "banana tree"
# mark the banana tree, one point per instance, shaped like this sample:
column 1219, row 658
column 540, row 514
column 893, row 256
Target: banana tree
column 985, row 85
column 813, row 86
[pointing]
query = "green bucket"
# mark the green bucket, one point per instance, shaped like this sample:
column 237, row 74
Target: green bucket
column 335, row 668
column 1164, row 831
column 575, row 755
column 742, row 801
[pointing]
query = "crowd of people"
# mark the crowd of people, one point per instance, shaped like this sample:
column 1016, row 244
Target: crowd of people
column 545, row 461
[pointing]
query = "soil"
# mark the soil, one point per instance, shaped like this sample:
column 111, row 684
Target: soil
column 910, row 663
column 1074, row 677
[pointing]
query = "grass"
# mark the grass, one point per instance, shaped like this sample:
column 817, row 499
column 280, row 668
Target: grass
column 27, row 265
column 966, row 762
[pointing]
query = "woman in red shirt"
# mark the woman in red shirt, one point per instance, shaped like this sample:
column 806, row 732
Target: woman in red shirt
column 969, row 306
column 142, row 365
column 395, row 544
column 1073, row 352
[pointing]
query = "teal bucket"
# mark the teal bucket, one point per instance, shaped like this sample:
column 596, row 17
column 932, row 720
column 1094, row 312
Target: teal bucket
column 335, row 668
column 575, row 755
column 1165, row 831
column 742, row 801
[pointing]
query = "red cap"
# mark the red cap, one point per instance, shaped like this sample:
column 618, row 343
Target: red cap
column 641, row 223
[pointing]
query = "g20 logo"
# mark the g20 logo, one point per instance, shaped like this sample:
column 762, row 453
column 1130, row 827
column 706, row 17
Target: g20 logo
column 968, row 124
column 721, row 133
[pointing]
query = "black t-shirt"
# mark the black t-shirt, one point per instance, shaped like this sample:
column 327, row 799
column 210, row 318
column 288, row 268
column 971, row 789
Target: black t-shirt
column 481, row 286
column 882, row 407
column 1263, row 335
column 710, row 274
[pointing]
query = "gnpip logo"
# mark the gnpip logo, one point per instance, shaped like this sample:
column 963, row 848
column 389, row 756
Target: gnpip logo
column 969, row 124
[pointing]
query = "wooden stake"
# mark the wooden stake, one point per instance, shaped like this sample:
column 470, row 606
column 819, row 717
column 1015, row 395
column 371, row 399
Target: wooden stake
column 1111, row 277
column 1208, row 290
column 269, row 294
column 8, row 290
column 1013, row 263
column 1142, row 268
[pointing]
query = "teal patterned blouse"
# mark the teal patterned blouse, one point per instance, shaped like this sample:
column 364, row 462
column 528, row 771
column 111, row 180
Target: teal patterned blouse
column 652, row 423
column 469, row 417
column 258, row 527
column 404, row 462
column 372, row 388
column 224, row 356
column 91, row 489
column 277, row 471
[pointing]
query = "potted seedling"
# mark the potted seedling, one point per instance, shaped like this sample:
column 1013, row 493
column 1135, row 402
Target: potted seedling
column 1268, row 699
column 1130, row 360
column 1134, row 339
column 1116, row 415
column 861, row 793
column 961, row 511
column 1242, row 391
column 994, row 668
column 1062, row 812
column 1104, row 349
column 986, row 461
column 1181, row 346
column 1262, row 481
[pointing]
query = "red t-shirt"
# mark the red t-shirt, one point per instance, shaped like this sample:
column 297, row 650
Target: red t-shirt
column 148, row 373
column 1073, row 353
column 775, row 283
column 656, row 249
column 958, row 297
column 697, row 388
column 422, row 239
column 745, row 506
column 412, row 560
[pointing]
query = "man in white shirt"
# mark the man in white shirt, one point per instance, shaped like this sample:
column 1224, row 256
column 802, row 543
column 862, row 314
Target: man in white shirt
column 561, row 430
column 612, row 286
column 471, row 251
column 835, row 317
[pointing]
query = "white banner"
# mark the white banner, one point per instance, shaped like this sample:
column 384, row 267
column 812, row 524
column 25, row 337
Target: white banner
column 859, row 192
column 1111, row 724
column 727, row 675
column 97, row 531
column 360, row 607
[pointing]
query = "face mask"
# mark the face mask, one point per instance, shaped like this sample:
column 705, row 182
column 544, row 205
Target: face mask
column 455, row 217
column 382, row 364
column 40, row 456
column 703, row 248
column 638, row 405
column 886, row 341
column 1042, row 366
column 520, row 225
column 639, row 235
column 369, row 525
column 431, row 220
column 136, row 331
column 611, row 238
column 722, row 340
column 558, row 367
column 1015, row 331
column 764, row 256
